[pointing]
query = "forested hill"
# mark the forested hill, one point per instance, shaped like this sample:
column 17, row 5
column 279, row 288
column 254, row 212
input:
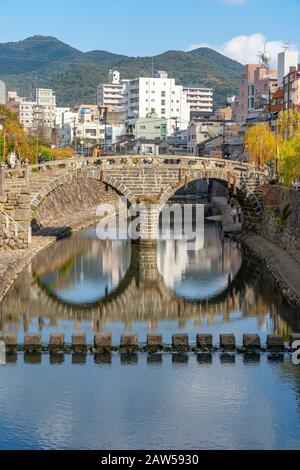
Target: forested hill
column 74, row 75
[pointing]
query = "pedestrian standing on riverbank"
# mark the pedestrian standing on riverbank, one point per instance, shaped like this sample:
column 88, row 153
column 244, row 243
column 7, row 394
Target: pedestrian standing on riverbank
column 234, row 214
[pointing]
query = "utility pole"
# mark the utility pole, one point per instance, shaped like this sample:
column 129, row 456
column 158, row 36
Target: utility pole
column 74, row 134
column 105, row 128
column 224, row 137
column 270, row 108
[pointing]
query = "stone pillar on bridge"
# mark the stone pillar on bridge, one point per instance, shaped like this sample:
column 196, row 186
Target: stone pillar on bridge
column 149, row 224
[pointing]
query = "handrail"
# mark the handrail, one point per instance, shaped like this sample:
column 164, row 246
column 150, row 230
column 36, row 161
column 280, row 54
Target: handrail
column 16, row 225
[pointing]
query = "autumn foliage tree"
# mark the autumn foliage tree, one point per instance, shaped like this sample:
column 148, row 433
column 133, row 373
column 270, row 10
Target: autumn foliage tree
column 23, row 144
column 15, row 137
column 261, row 144
column 288, row 123
column 289, row 160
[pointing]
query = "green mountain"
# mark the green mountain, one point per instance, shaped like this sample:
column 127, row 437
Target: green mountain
column 47, row 62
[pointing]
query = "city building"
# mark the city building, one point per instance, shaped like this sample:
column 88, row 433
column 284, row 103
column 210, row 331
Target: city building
column 291, row 91
column 36, row 111
column 200, row 100
column 113, row 135
column 287, row 62
column 147, row 146
column 277, row 103
column 258, row 83
column 159, row 95
column 175, row 144
column 201, row 130
column 110, row 95
column 150, row 127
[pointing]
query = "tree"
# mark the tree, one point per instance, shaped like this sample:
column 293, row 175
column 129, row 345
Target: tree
column 289, row 123
column 289, row 160
column 14, row 135
column 261, row 144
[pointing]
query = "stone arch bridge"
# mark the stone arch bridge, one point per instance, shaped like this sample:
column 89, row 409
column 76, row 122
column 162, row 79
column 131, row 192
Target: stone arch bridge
column 45, row 192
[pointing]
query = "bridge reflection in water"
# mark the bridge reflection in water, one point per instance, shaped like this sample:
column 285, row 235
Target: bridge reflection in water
column 86, row 284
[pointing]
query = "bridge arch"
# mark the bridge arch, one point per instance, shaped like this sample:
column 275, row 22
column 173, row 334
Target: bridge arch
column 76, row 191
column 246, row 188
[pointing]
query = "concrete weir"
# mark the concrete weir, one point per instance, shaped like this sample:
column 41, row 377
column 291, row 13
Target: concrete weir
column 129, row 343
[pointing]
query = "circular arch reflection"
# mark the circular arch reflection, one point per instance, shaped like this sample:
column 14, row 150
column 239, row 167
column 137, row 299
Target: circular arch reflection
column 84, row 271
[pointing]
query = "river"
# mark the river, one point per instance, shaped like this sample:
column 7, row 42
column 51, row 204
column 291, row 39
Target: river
column 139, row 401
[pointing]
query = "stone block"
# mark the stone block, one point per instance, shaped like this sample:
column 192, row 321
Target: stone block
column 205, row 342
column 22, row 214
column 57, row 341
column 103, row 342
column 275, row 343
column 79, row 343
column 251, row 341
column 154, row 342
column 180, row 342
column 227, row 342
column 33, row 342
column 129, row 342
column 23, row 199
column 10, row 341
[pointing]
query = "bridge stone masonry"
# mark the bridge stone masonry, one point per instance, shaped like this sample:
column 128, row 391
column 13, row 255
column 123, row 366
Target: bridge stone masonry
column 37, row 195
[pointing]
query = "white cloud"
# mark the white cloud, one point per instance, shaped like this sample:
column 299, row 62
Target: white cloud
column 245, row 49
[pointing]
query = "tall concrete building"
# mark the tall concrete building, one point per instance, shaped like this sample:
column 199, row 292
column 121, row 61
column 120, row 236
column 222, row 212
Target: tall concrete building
column 160, row 95
column 37, row 111
column 287, row 62
column 291, row 91
column 110, row 95
column 200, row 100
column 257, row 84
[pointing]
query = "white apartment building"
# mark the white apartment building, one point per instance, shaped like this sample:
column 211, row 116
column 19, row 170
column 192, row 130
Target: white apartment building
column 110, row 94
column 59, row 114
column 287, row 62
column 200, row 99
column 36, row 111
column 160, row 95
column 45, row 107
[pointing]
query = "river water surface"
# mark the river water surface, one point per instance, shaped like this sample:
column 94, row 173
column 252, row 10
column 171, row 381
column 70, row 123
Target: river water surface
column 139, row 401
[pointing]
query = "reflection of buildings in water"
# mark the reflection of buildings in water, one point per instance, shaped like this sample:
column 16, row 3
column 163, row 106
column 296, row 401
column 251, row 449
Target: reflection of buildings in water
column 218, row 256
column 141, row 300
column 90, row 259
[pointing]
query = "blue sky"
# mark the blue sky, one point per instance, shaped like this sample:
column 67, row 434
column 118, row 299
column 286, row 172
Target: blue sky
column 238, row 28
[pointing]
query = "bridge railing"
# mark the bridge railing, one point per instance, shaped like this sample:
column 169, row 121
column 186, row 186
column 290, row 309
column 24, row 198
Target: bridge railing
column 26, row 172
column 192, row 163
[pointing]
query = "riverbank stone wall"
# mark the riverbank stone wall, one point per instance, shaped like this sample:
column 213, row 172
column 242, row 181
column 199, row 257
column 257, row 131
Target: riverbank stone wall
column 281, row 219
